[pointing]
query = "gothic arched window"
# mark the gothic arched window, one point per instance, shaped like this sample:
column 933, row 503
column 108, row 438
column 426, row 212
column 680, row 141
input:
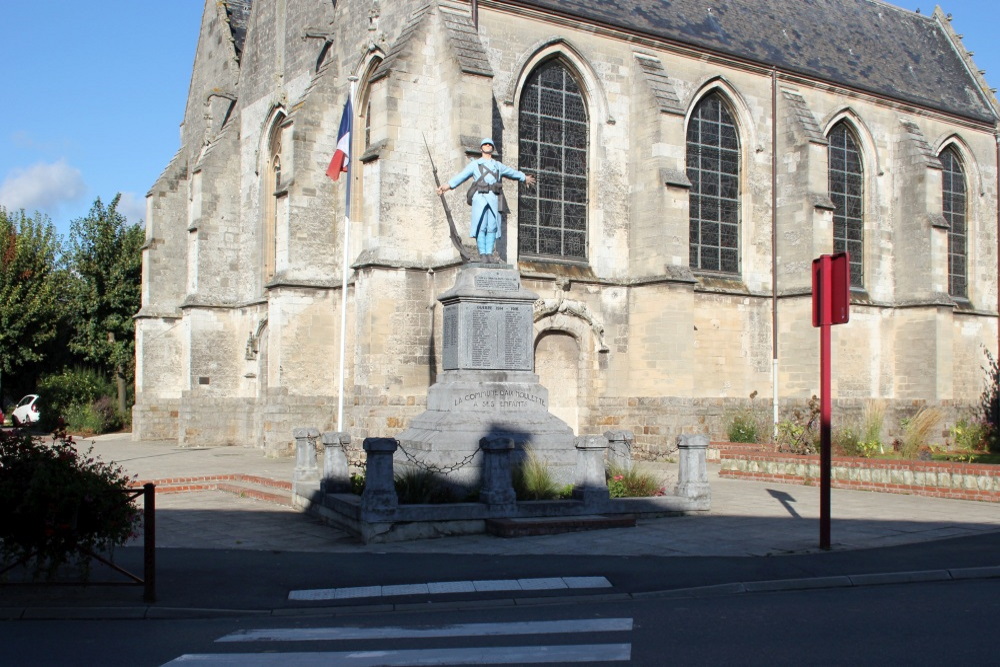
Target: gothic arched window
column 846, row 183
column 953, row 199
column 553, row 142
column 713, row 167
column 271, row 183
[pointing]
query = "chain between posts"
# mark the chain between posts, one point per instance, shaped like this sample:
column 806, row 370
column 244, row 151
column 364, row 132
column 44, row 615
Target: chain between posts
column 355, row 456
column 436, row 469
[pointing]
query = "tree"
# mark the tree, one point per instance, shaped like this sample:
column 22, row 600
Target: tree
column 32, row 293
column 106, row 259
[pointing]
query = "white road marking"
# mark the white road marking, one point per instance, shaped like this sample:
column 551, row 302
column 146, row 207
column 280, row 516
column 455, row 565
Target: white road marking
column 461, row 630
column 498, row 655
column 442, row 587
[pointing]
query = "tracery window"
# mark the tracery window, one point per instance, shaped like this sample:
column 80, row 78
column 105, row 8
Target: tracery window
column 713, row 167
column 953, row 198
column 552, row 143
column 846, row 183
column 272, row 180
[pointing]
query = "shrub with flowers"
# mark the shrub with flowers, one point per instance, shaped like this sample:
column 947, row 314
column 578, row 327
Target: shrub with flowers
column 58, row 505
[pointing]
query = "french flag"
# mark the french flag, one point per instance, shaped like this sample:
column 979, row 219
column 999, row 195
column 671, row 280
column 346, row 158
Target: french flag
column 342, row 157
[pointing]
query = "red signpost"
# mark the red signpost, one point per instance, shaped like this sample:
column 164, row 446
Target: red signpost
column 831, row 294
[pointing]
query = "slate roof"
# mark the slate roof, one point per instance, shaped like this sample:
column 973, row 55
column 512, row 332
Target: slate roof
column 863, row 44
column 238, row 14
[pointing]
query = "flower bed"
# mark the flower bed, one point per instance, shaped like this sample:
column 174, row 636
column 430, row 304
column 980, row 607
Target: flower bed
column 962, row 481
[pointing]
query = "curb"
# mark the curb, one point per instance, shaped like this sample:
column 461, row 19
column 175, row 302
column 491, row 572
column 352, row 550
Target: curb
column 146, row 612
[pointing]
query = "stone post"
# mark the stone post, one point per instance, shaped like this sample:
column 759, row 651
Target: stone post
column 591, row 483
column 620, row 448
column 336, row 471
column 379, row 501
column 497, row 490
column 692, row 473
column 305, row 457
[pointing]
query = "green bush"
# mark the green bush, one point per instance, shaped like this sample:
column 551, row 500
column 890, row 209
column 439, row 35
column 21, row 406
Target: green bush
column 969, row 436
column 64, row 392
column 850, row 442
column 59, row 505
column 799, row 432
column 748, row 424
column 632, row 482
column 743, row 427
column 100, row 416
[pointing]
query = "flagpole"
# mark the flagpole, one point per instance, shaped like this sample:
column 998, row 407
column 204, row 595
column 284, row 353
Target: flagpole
column 344, row 269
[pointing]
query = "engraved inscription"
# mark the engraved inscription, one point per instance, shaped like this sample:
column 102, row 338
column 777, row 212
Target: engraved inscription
column 489, row 336
column 516, row 337
column 483, row 338
column 504, row 399
column 503, row 281
column 449, row 346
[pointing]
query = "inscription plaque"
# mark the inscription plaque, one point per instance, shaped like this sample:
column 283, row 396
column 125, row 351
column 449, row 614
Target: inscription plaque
column 491, row 336
column 449, row 346
column 503, row 281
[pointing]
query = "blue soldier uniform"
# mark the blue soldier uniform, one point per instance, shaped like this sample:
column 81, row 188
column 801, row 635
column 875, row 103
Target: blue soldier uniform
column 485, row 222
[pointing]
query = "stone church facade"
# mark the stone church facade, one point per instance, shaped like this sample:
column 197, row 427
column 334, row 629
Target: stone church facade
column 692, row 158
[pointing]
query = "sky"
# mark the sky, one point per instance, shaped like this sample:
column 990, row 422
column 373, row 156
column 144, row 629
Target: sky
column 95, row 94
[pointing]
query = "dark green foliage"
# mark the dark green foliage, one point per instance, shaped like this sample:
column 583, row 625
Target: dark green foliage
column 106, row 255
column 990, row 403
column 414, row 487
column 58, row 504
column 69, row 394
column 32, row 298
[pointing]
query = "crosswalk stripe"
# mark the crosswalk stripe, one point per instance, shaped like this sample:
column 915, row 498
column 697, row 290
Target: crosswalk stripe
column 442, row 587
column 500, row 655
column 460, row 630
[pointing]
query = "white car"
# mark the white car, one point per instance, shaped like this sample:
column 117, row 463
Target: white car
column 26, row 411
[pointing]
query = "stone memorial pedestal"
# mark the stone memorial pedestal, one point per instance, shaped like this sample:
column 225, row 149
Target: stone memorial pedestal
column 488, row 388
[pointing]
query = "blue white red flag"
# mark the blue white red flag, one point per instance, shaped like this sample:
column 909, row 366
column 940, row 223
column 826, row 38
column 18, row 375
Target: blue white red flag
column 342, row 157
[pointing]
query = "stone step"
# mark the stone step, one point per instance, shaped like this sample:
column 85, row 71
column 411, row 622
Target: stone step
column 245, row 486
column 556, row 525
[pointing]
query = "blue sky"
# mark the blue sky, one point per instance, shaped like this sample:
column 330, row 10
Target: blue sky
column 95, row 93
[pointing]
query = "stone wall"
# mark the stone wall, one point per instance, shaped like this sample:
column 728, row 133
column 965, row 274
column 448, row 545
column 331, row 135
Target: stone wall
column 961, row 481
column 631, row 338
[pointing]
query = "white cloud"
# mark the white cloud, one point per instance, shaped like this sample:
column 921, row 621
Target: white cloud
column 43, row 187
column 133, row 207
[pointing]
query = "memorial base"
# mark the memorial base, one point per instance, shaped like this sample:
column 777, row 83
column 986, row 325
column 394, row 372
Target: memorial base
column 488, row 387
column 465, row 406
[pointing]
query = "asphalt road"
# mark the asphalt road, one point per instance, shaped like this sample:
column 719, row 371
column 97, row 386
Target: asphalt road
column 914, row 624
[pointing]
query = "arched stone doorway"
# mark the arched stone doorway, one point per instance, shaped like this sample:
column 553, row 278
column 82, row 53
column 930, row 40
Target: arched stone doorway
column 557, row 363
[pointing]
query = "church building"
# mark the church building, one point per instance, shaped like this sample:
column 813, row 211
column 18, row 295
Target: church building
column 692, row 158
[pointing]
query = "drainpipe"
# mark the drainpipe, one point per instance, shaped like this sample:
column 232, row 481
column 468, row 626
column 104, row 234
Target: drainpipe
column 774, row 249
column 996, row 136
column 475, row 14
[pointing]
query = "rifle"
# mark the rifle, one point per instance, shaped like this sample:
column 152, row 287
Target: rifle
column 455, row 238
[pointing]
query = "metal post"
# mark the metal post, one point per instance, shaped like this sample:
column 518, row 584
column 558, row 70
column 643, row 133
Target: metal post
column 826, row 317
column 149, row 542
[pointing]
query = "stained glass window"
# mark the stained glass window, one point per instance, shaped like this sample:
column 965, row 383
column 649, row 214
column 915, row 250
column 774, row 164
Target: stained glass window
column 552, row 217
column 953, row 199
column 713, row 167
column 846, row 181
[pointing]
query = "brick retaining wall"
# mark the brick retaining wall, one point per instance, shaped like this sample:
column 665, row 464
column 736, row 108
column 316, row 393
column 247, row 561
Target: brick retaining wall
column 962, row 481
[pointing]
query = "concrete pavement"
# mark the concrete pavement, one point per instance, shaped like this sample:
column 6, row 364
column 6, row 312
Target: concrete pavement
column 220, row 551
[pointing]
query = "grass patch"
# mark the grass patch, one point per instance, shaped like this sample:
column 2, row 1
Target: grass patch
column 633, row 483
column 533, row 480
